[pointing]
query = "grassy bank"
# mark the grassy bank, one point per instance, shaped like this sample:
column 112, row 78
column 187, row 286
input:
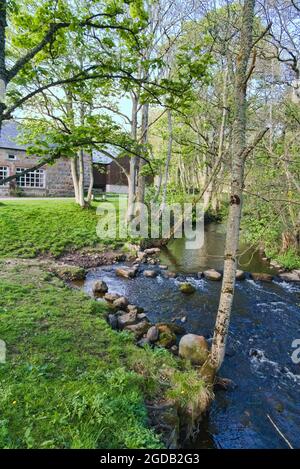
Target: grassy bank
column 69, row 380
column 32, row 227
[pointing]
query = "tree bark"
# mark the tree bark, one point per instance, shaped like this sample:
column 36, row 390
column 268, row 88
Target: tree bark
column 91, row 184
column 3, row 72
column 133, row 161
column 236, row 191
column 81, row 200
column 74, row 172
column 169, row 154
column 144, row 139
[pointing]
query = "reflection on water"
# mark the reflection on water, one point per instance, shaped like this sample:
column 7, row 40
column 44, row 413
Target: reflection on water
column 211, row 254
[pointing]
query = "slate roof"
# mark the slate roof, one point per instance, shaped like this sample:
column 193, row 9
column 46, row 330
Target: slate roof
column 100, row 157
column 9, row 133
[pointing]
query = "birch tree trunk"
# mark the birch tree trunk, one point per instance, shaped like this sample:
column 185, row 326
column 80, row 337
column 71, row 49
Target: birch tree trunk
column 2, row 59
column 133, row 161
column 74, row 172
column 81, row 200
column 169, row 154
column 91, row 184
column 236, row 191
column 144, row 140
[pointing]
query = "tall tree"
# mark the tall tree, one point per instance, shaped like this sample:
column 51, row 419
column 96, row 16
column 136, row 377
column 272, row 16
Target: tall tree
column 236, row 190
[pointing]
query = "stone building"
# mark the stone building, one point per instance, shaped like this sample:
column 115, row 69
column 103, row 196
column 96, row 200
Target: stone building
column 50, row 180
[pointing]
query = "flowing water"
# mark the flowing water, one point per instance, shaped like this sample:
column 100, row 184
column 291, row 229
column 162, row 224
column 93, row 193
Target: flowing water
column 265, row 321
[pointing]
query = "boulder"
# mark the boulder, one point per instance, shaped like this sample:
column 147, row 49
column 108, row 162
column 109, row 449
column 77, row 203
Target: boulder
column 135, row 308
column 113, row 321
column 170, row 274
column 174, row 350
column 240, row 275
column 167, row 338
column 111, row 297
column 153, row 334
column 127, row 319
column 141, row 255
column 150, row 273
column 100, row 287
column 126, row 272
column 262, row 277
column 224, row 384
column 194, row 348
column 143, row 342
column 151, row 251
column 212, row 274
column 163, row 267
column 138, row 329
column 292, row 276
column 187, row 288
column 69, row 273
column 176, row 329
column 152, row 261
column 141, row 316
column 120, row 303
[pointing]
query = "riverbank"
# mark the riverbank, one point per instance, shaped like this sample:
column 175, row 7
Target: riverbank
column 69, row 380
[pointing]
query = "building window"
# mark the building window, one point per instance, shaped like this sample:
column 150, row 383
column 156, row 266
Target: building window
column 3, row 173
column 33, row 179
column 12, row 157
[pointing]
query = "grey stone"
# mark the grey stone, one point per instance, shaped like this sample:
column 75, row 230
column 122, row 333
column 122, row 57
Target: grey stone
column 150, row 273
column 127, row 319
column 126, row 272
column 262, row 277
column 121, row 303
column 151, row 251
column 153, row 334
column 138, row 329
column 111, row 297
column 212, row 274
column 100, row 287
column 193, row 347
column 240, row 275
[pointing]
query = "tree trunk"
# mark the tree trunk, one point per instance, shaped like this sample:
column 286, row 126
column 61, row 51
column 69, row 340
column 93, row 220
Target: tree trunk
column 81, row 200
column 236, row 191
column 169, row 154
column 3, row 82
column 91, row 184
column 133, row 161
column 144, row 140
column 74, row 172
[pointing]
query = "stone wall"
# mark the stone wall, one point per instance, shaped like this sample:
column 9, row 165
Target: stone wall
column 58, row 177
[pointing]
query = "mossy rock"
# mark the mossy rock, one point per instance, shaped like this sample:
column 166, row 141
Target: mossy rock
column 69, row 272
column 187, row 288
column 167, row 338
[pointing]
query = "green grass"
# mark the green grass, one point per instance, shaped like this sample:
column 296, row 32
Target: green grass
column 69, row 381
column 289, row 260
column 33, row 227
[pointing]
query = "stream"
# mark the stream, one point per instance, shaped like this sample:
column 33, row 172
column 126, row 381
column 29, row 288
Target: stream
column 264, row 323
